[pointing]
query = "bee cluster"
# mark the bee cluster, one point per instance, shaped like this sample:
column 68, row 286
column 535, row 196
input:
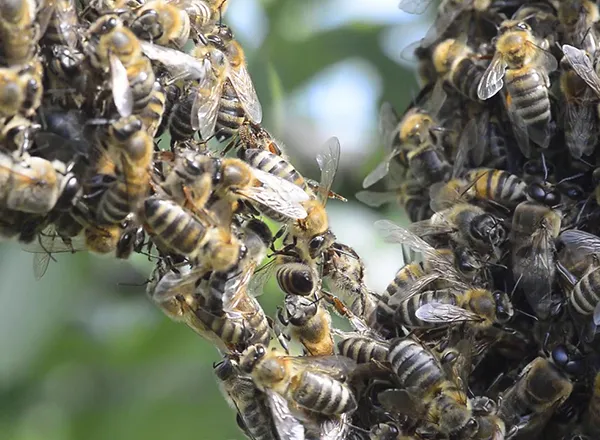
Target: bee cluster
column 490, row 334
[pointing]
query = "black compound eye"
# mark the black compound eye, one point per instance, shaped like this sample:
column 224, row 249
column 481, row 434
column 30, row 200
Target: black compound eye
column 537, row 192
column 316, row 243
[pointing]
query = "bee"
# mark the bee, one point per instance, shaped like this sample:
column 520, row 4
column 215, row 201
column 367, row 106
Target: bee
column 19, row 31
column 580, row 124
column 256, row 138
column 410, row 141
column 314, row 383
column 455, row 300
column 426, row 390
column 180, row 117
column 297, row 278
column 576, row 19
column 312, row 234
column 35, row 185
column 21, row 89
column 174, row 228
column 535, row 226
column 67, row 70
column 172, row 94
column 233, row 179
column 162, row 22
column 521, row 67
column 455, row 62
column 578, row 266
column 364, row 349
column 273, row 163
column 152, row 113
column 126, row 140
column 64, row 26
column 528, row 404
column 253, row 413
column 18, row 134
column 112, row 46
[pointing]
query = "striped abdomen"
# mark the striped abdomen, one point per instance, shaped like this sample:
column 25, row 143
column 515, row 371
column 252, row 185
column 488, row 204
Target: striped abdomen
column 497, row 185
column 415, row 201
column 172, row 226
column 115, row 204
column 528, row 96
column 405, row 277
column 257, row 418
column 256, row 320
column 63, row 26
column 415, row 366
column 405, row 313
column 141, row 81
column 585, row 296
column 363, row 349
column 180, row 122
column 172, row 94
column 231, row 114
column 273, row 164
column 152, row 114
column 465, row 77
column 428, row 165
column 323, row 394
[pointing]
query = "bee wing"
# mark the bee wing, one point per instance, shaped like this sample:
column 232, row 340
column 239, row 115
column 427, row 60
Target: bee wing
column 388, row 125
column 480, row 147
column 492, row 79
column 402, row 402
column 392, row 233
column 438, row 313
column 580, row 241
column 469, row 138
column 278, row 194
column 48, row 243
column 179, row 64
column 546, row 60
column 205, row 107
column 242, row 83
column 375, row 199
column 173, row 284
column 519, row 127
column 338, row 367
column 442, row 23
column 329, row 161
column 416, row 287
column 583, row 66
column 380, row 171
column 121, row 91
column 414, row 6
column 235, row 289
column 261, row 277
column 425, row 228
column 286, row 425
column 579, row 116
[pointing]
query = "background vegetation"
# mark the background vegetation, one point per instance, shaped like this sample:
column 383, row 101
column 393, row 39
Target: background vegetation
column 84, row 354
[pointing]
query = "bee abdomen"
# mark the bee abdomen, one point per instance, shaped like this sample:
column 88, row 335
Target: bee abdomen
column 414, row 365
column 114, row 206
column 273, row 164
column 406, row 312
column 363, row 349
column 466, row 78
column 500, row 186
column 323, row 394
column 231, row 114
column 296, row 279
column 180, row 123
column 584, row 297
column 152, row 114
column 173, row 225
column 530, row 97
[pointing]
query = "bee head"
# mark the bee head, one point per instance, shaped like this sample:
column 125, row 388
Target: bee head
column 251, row 357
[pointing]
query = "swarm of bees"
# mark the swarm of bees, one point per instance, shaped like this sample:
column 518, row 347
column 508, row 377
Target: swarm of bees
column 490, row 329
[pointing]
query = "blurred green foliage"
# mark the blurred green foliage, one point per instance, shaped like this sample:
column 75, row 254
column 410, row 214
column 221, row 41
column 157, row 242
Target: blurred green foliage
column 84, row 354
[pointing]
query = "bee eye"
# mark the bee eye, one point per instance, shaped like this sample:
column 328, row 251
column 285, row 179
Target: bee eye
column 473, row 424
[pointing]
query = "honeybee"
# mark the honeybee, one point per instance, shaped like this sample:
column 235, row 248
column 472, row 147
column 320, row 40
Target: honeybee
column 315, row 383
column 521, row 67
column 580, row 124
column 18, row 133
column 297, row 278
column 578, row 266
column 534, row 229
column 162, row 22
column 272, row 163
column 456, row 64
column 19, row 31
column 364, row 348
column 312, row 234
column 67, row 70
column 254, row 414
column 527, row 405
column 173, row 228
column 410, row 141
column 233, row 179
column 64, row 27
column 127, row 141
column 426, row 390
column 21, row 89
column 576, row 18
column 256, row 138
column 35, row 185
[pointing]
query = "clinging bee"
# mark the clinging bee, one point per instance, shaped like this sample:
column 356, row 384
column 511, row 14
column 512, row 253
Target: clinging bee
column 521, row 67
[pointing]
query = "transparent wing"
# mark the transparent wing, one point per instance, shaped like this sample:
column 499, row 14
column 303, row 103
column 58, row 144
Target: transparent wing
column 417, row 286
column 261, row 277
column 380, row 171
column 581, row 121
column 338, row 367
column 278, row 194
column 492, row 79
column 438, row 313
column 436, row 99
column 519, row 127
column 581, row 241
column 286, row 425
column 329, row 161
column 426, row 228
column 582, row 65
column 388, row 125
column 179, row 64
column 48, row 243
column 546, row 60
column 442, row 23
column 469, row 139
column 206, row 106
column 242, row 83
column 480, row 148
column 414, row 6
column 174, row 283
column 375, row 199
column 121, row 91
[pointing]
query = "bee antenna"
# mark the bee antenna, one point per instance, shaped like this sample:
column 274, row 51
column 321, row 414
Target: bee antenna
column 567, row 179
column 545, row 167
column 515, row 287
column 529, row 315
